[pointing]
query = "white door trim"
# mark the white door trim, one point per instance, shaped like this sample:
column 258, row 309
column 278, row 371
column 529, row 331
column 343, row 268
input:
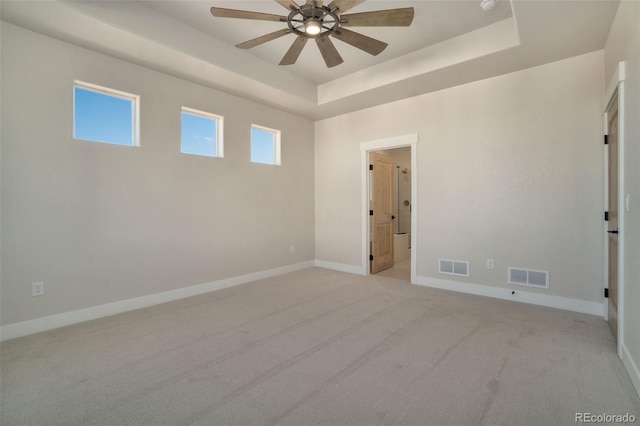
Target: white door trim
column 616, row 86
column 410, row 140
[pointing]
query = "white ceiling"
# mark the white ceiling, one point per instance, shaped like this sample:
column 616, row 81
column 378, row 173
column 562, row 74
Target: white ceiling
column 450, row 42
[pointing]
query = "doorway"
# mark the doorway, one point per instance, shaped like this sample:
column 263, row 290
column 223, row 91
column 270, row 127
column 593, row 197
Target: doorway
column 613, row 216
column 616, row 206
column 389, row 206
column 390, row 213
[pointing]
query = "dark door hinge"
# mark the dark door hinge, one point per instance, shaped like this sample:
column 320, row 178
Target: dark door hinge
column 606, row 139
column 606, row 293
column 370, row 166
column 371, row 257
column 606, row 216
column 370, row 212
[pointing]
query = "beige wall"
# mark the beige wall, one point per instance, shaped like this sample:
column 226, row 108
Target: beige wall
column 509, row 168
column 100, row 223
column 623, row 44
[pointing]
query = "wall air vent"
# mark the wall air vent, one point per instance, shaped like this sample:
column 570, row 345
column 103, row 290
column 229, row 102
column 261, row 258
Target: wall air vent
column 453, row 267
column 528, row 277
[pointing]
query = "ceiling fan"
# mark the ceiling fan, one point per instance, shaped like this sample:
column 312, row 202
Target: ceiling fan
column 313, row 20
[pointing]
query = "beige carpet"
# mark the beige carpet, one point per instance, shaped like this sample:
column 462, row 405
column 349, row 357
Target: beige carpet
column 319, row 347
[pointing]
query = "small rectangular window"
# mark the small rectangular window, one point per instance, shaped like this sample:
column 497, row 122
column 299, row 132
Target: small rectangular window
column 201, row 133
column 265, row 145
column 105, row 115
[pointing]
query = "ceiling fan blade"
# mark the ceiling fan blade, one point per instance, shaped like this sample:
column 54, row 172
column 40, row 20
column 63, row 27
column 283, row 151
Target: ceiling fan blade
column 343, row 5
column 263, row 39
column 380, row 18
column 292, row 54
column 329, row 52
column 362, row 42
column 221, row 12
column 289, row 4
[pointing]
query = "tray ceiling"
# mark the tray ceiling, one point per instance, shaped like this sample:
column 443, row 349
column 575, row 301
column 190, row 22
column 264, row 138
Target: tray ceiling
column 449, row 43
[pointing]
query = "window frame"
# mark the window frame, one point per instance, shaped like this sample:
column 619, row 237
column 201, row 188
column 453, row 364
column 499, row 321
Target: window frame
column 135, row 110
column 219, row 130
column 277, row 146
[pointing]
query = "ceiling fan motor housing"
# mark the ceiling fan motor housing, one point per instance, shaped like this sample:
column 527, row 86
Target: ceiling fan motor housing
column 299, row 19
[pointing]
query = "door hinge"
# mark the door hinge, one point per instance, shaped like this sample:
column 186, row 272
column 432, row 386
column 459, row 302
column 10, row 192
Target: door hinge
column 606, row 293
column 606, row 139
column 370, row 212
column 371, row 257
column 606, row 216
column 370, row 166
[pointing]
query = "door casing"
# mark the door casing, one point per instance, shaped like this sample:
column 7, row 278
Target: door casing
column 411, row 141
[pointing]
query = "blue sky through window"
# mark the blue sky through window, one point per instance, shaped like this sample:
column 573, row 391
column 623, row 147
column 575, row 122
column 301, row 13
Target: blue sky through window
column 102, row 117
column 263, row 146
column 198, row 134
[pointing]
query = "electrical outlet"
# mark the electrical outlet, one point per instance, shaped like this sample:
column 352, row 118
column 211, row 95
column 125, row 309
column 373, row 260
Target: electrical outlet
column 37, row 289
column 292, row 249
column 490, row 264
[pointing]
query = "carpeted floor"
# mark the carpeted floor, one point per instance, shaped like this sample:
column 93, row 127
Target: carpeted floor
column 399, row 271
column 319, row 347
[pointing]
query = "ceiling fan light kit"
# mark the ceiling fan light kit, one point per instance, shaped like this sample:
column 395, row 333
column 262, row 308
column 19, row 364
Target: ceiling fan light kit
column 312, row 27
column 319, row 22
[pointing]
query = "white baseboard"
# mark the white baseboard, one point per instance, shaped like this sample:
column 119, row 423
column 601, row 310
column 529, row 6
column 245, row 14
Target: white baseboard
column 576, row 305
column 25, row 328
column 341, row 267
column 632, row 368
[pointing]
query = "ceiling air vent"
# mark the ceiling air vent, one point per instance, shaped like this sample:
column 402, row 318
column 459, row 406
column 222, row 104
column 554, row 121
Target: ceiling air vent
column 528, row 277
column 453, row 267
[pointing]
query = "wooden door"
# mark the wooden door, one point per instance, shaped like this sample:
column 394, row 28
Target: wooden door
column 612, row 140
column 382, row 207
